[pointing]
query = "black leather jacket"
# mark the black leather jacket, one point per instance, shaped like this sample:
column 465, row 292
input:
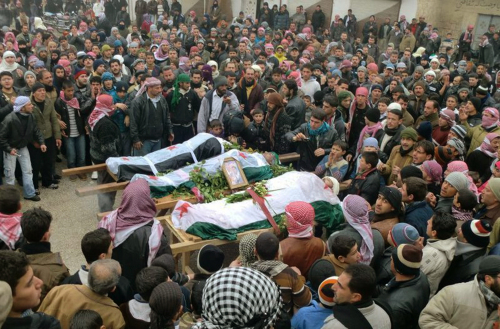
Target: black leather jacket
column 407, row 299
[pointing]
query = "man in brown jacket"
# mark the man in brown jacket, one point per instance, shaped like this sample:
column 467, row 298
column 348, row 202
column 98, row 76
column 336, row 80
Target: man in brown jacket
column 64, row 301
column 401, row 156
column 48, row 266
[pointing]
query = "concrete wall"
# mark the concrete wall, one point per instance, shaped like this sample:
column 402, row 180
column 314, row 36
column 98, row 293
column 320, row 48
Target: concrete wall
column 454, row 15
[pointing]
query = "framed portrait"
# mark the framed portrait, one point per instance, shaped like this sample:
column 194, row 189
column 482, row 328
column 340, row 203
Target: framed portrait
column 234, row 173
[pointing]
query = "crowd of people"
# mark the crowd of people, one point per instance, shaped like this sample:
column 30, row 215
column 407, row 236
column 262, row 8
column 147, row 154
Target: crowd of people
column 401, row 123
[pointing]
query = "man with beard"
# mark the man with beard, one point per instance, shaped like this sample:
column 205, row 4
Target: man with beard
column 400, row 157
column 467, row 305
column 132, row 54
column 390, row 136
column 167, row 79
column 418, row 99
column 216, row 103
column 45, row 77
column 249, row 92
column 25, row 35
column 295, row 106
column 184, row 103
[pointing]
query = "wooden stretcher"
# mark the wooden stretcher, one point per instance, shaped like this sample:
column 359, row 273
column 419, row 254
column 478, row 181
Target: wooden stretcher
column 183, row 243
column 163, row 203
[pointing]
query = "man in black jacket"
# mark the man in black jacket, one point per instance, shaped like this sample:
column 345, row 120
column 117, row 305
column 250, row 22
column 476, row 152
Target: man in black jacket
column 17, row 130
column 96, row 245
column 408, row 292
column 73, row 112
column 150, row 119
column 390, row 136
column 316, row 139
column 185, row 105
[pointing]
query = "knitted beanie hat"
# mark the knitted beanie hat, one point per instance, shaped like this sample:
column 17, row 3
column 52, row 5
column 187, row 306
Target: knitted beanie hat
column 476, row 102
column 477, row 232
column 411, row 171
column 165, row 302
column 490, row 265
column 403, row 233
column 210, row 259
column 459, row 130
column 458, row 180
column 410, row 133
column 325, row 291
column 425, row 130
column 167, row 262
column 319, row 271
column 393, row 196
column 373, row 115
column 407, row 259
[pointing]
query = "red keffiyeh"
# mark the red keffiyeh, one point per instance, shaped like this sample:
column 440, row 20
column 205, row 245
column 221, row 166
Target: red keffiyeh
column 300, row 217
column 103, row 107
column 10, row 229
column 72, row 102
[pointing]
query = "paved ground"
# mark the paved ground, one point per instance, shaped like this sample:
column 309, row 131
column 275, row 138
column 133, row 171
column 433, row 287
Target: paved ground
column 74, row 216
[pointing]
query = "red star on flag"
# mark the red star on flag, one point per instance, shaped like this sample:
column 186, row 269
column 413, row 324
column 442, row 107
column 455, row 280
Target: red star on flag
column 125, row 159
column 243, row 155
column 170, row 148
column 153, row 177
column 183, row 209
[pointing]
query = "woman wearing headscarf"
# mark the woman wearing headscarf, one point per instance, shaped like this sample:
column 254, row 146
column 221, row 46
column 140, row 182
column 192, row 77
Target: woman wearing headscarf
column 146, row 22
column 137, row 235
column 9, row 64
column 184, row 65
column 480, row 159
column 301, row 249
column 240, row 297
column 206, row 72
column 104, row 143
column 215, row 68
column 9, row 36
column 277, row 124
column 370, row 242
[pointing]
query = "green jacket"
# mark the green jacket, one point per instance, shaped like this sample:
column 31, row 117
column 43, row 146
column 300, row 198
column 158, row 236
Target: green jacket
column 47, row 120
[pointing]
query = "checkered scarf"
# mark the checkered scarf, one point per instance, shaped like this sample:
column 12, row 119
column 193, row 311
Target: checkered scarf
column 300, row 217
column 240, row 297
column 356, row 214
column 247, row 248
column 10, row 229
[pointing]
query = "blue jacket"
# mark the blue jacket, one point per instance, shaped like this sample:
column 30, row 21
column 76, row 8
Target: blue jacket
column 417, row 214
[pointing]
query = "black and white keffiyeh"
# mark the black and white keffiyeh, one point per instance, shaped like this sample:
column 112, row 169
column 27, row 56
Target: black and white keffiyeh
column 240, row 297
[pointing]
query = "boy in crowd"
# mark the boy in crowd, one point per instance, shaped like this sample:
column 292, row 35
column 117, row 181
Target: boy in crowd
column 440, row 248
column 216, row 128
column 367, row 181
column 463, row 204
column 26, row 289
column 254, row 134
column 48, row 266
column 309, row 106
column 343, row 252
column 334, row 164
